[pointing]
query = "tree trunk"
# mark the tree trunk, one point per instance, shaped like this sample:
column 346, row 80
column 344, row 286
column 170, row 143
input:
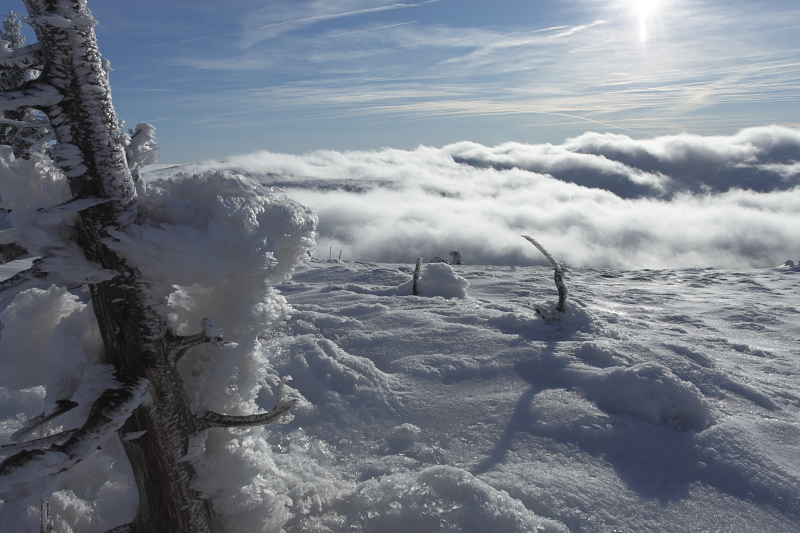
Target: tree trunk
column 137, row 340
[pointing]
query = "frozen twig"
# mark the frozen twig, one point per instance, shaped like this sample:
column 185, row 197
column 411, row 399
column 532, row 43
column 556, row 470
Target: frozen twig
column 62, row 406
column 210, row 334
column 211, row 419
column 34, row 93
column 44, row 442
column 414, row 290
column 24, row 57
column 26, row 279
column 73, row 205
column 559, row 274
column 106, row 416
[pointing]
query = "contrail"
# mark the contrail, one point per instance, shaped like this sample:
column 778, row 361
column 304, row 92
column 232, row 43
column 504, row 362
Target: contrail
column 597, row 122
column 318, row 18
column 347, row 14
column 361, row 31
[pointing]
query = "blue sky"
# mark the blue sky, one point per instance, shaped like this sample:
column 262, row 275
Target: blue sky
column 221, row 78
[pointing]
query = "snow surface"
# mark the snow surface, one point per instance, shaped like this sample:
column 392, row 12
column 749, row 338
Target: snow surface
column 662, row 400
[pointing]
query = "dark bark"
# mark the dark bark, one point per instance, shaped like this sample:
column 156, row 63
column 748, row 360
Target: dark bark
column 11, row 251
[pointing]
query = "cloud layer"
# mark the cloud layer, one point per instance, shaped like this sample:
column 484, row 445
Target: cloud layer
column 598, row 200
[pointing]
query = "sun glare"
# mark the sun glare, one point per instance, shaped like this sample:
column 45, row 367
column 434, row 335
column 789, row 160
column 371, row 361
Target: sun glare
column 644, row 9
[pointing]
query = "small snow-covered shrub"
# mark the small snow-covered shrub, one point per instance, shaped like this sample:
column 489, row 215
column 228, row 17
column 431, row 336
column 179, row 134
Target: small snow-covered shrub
column 439, row 279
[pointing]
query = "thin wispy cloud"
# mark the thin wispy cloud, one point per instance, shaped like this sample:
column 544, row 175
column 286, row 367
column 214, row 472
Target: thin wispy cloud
column 361, row 64
column 258, row 33
column 362, row 31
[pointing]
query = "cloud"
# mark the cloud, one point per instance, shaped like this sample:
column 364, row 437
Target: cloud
column 598, row 200
column 759, row 159
column 592, row 67
column 280, row 19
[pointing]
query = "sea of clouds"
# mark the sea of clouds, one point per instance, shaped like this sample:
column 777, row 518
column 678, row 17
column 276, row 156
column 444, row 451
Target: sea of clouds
column 597, row 200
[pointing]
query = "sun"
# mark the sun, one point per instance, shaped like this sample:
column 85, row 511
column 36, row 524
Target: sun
column 645, row 7
column 645, row 11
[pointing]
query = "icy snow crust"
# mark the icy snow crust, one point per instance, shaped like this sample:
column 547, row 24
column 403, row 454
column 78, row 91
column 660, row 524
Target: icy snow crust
column 663, row 400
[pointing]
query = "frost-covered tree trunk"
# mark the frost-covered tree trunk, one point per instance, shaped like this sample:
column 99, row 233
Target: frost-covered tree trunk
column 73, row 92
column 149, row 409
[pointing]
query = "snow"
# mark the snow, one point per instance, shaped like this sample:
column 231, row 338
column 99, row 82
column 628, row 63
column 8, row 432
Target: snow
column 662, row 400
column 659, row 400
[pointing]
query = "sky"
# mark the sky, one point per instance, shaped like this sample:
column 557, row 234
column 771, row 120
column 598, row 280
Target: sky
column 293, row 76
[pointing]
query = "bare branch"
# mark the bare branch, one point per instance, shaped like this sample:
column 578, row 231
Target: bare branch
column 24, row 57
column 211, row 419
column 559, row 274
column 34, row 93
column 62, row 406
column 44, row 442
column 210, row 334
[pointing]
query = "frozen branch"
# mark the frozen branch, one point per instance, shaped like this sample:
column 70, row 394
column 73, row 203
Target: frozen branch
column 32, row 94
column 62, row 406
column 559, row 274
column 26, row 279
column 11, row 122
column 211, row 419
column 210, row 334
column 73, row 205
column 107, row 415
column 11, row 251
column 44, row 442
column 24, row 57
column 414, row 290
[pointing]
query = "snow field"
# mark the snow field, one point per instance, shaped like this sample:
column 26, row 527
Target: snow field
column 662, row 400
column 621, row 416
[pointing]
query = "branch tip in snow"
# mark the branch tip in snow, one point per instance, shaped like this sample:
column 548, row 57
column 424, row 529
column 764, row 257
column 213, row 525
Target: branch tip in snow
column 559, row 274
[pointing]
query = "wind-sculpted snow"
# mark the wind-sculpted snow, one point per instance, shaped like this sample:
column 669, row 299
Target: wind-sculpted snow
column 662, row 400
column 652, row 412
column 598, row 200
